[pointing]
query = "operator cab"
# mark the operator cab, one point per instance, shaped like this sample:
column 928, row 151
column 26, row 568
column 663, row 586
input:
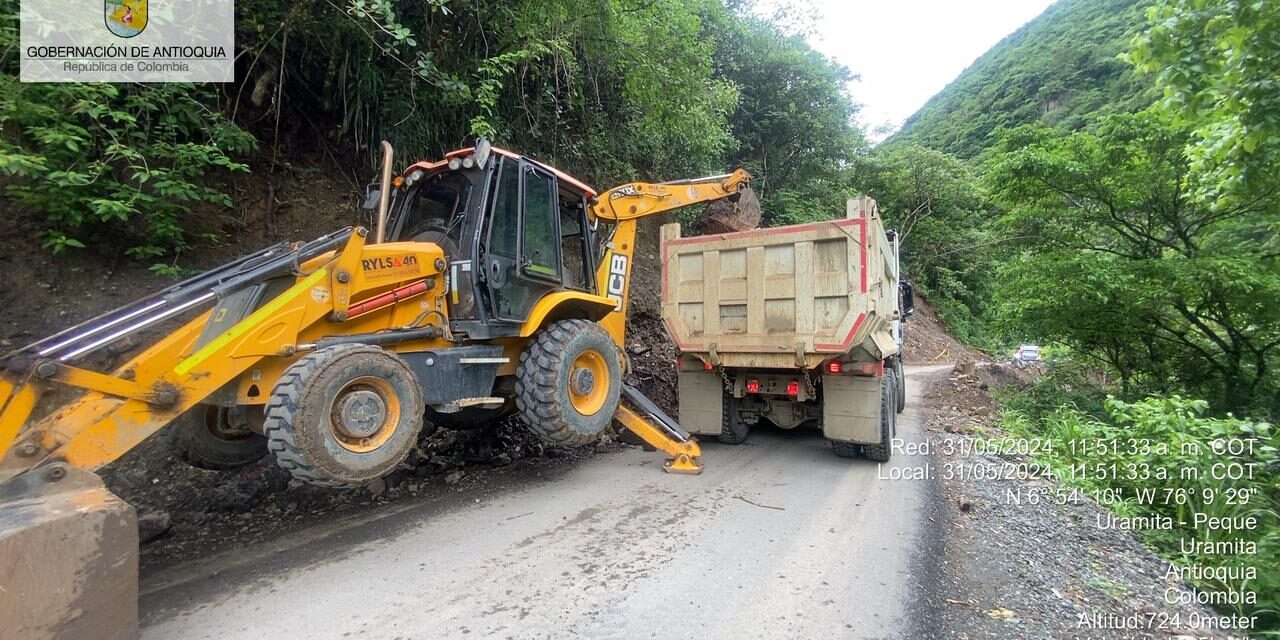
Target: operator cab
column 512, row 230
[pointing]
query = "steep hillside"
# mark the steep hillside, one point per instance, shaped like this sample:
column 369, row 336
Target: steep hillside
column 1059, row 69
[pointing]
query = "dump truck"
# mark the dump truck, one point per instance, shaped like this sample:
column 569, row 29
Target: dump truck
column 797, row 325
column 492, row 284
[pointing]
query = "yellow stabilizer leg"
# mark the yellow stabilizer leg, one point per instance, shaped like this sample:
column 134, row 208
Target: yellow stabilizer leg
column 685, row 454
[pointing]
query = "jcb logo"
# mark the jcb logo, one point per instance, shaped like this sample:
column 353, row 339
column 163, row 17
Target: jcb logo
column 389, row 262
column 617, row 284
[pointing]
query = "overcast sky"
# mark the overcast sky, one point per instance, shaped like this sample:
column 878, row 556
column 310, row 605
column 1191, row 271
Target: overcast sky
column 907, row 50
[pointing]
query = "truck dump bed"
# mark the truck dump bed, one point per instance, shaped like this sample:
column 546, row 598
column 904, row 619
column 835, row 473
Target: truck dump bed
column 784, row 297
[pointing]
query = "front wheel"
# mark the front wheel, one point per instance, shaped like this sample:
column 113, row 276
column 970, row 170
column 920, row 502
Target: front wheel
column 569, row 382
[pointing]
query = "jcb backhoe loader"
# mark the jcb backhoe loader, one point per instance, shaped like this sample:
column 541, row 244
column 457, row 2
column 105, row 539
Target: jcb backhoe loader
column 493, row 284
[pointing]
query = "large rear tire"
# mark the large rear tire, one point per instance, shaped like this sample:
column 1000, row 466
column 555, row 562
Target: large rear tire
column 882, row 451
column 900, row 379
column 569, row 382
column 215, row 438
column 732, row 428
column 846, row 449
column 344, row 415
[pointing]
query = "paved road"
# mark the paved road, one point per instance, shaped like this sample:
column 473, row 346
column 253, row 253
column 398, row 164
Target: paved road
column 778, row 538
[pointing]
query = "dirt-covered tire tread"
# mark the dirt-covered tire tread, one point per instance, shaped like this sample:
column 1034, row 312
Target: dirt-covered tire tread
column 846, row 449
column 282, row 408
column 732, row 430
column 538, row 388
column 900, row 379
column 881, row 452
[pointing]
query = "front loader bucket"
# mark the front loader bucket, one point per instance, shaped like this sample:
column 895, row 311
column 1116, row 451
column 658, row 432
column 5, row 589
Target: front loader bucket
column 68, row 557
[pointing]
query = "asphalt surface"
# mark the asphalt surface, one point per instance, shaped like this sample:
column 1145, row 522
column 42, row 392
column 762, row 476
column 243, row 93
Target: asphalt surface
column 778, row 538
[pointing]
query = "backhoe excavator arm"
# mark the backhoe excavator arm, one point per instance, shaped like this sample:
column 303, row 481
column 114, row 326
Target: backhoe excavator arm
column 639, row 199
column 624, row 205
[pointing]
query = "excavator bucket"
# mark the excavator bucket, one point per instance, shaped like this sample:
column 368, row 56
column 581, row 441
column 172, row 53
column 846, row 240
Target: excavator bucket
column 68, row 557
column 737, row 213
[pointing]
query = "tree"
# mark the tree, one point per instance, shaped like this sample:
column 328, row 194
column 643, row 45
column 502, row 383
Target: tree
column 1218, row 65
column 1121, row 264
column 794, row 122
column 931, row 199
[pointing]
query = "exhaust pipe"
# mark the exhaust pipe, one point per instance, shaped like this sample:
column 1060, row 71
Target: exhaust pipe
column 384, row 198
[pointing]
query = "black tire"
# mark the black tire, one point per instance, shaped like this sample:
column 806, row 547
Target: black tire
column 900, row 379
column 207, row 437
column 543, row 395
column 309, row 440
column 846, row 449
column 732, row 429
column 881, row 451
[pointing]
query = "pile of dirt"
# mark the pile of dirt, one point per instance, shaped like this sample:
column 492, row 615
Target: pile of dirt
column 963, row 402
column 926, row 340
column 1033, row 568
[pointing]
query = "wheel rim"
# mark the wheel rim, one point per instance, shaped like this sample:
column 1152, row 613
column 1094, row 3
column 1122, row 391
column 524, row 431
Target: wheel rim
column 364, row 414
column 217, row 420
column 588, row 382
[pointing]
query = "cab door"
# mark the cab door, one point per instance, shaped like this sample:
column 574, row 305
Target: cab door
column 522, row 249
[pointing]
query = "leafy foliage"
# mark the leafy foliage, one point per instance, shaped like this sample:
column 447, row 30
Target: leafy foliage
column 793, row 122
column 1172, row 434
column 1123, row 266
column 931, row 199
column 611, row 90
column 1060, row 69
column 1218, row 65
column 117, row 166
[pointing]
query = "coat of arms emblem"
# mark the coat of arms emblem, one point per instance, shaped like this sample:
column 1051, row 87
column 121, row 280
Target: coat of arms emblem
column 125, row 18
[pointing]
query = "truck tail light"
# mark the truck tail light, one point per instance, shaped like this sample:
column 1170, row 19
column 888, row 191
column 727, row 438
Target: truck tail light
column 793, row 388
column 753, row 386
column 833, row 367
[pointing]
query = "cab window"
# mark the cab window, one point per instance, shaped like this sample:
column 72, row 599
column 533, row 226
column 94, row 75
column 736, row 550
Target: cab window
column 541, row 243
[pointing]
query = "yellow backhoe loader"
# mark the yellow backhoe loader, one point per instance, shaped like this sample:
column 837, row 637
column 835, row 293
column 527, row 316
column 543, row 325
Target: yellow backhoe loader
column 492, row 284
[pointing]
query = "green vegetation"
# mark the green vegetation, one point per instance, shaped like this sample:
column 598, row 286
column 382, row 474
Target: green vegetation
column 1118, row 261
column 933, row 200
column 1061, row 69
column 1123, row 209
column 1125, row 212
column 1162, row 457
column 1217, row 63
column 607, row 89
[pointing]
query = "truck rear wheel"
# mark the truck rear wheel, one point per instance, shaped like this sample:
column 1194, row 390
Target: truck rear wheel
column 344, row 415
column 568, row 383
column 900, row 380
column 733, row 430
column 881, row 452
column 214, row 438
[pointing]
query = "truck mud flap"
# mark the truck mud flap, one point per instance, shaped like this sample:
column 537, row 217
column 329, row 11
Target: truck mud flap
column 851, row 408
column 701, row 399
column 68, row 557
